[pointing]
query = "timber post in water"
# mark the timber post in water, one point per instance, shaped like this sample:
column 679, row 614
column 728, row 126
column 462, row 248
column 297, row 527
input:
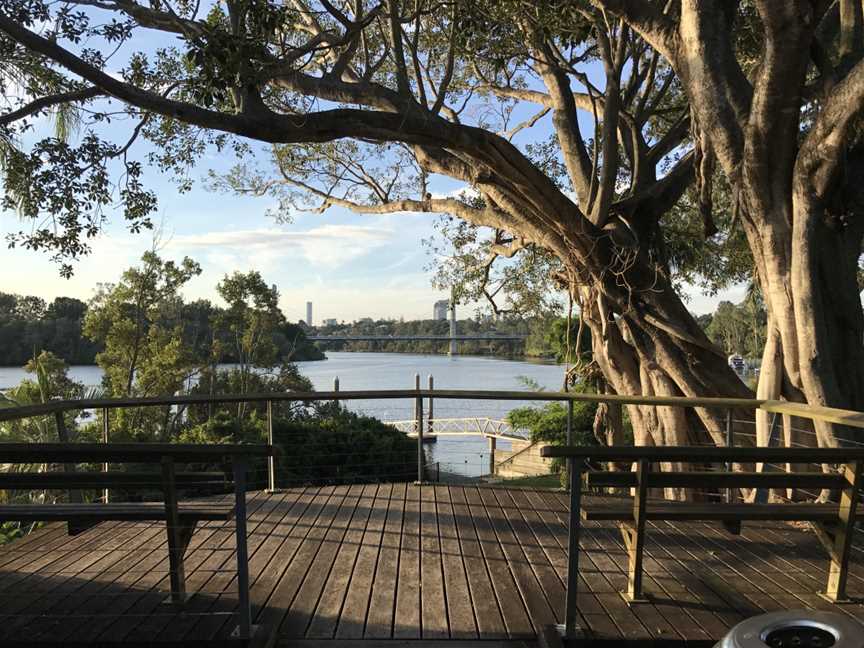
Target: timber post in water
column 431, row 405
column 452, row 350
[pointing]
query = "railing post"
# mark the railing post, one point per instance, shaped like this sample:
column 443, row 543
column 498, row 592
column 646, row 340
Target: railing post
column 838, row 569
column 730, row 443
column 336, row 386
column 431, row 415
column 571, row 628
column 177, row 570
column 493, row 442
column 416, row 405
column 418, row 425
column 568, row 463
column 75, row 496
column 732, row 526
column 105, row 440
column 244, row 613
column 271, row 460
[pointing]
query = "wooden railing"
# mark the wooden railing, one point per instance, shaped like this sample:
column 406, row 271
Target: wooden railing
column 727, row 405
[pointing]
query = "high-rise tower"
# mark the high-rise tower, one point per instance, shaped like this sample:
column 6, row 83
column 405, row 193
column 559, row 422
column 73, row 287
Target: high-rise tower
column 308, row 313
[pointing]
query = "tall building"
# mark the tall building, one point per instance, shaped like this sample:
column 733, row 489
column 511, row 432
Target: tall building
column 309, row 313
column 439, row 310
column 330, row 322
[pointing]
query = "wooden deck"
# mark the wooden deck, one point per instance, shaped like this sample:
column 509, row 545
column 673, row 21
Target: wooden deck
column 402, row 562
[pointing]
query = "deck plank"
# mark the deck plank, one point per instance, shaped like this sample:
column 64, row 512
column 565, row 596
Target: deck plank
column 305, row 540
column 407, row 619
column 303, row 607
column 352, row 620
column 325, row 619
column 408, row 564
column 524, row 573
column 433, row 604
column 460, row 605
column 513, row 608
column 382, row 604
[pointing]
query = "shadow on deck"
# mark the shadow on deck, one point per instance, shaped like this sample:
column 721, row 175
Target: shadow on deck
column 401, row 562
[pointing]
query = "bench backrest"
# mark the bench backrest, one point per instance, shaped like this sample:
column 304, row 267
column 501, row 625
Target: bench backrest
column 139, row 453
column 128, row 452
column 851, row 461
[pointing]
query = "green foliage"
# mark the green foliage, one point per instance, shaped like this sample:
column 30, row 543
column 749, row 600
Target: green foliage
column 140, row 323
column 548, row 424
column 72, row 185
column 27, row 323
column 224, row 427
column 740, row 328
column 342, row 447
column 549, row 339
column 520, row 285
column 10, row 531
column 252, row 315
column 213, row 382
column 50, row 382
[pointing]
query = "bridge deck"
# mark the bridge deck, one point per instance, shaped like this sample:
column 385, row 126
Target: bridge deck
column 384, row 562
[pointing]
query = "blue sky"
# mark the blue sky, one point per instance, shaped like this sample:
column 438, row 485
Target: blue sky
column 349, row 265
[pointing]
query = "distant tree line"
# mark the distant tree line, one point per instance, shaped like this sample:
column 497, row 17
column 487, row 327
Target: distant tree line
column 738, row 328
column 29, row 325
column 397, row 328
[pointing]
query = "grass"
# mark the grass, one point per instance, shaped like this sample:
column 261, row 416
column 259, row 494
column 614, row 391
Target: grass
column 538, row 481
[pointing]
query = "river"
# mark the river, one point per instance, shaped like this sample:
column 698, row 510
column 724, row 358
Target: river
column 362, row 371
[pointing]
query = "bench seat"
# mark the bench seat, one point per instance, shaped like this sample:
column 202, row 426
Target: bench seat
column 621, row 510
column 188, row 512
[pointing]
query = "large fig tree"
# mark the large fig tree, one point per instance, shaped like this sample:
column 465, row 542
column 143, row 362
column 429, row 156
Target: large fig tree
column 364, row 103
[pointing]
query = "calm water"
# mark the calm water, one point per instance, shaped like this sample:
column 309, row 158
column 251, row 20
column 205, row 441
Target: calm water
column 361, row 371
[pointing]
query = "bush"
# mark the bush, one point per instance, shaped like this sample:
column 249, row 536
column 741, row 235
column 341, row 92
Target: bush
column 549, row 422
column 342, row 447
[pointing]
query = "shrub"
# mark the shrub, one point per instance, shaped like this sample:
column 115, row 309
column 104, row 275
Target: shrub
column 342, row 447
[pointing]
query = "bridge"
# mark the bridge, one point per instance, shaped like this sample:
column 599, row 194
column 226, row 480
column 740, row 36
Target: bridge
column 503, row 337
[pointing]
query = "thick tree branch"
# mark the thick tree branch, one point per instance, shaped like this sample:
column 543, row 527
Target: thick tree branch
column 42, row 103
column 647, row 19
column 715, row 84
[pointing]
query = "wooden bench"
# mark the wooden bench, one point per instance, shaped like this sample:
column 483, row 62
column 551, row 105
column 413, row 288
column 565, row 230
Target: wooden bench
column 180, row 518
column 833, row 522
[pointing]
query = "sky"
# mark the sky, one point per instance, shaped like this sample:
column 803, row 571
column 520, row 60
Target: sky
column 349, row 265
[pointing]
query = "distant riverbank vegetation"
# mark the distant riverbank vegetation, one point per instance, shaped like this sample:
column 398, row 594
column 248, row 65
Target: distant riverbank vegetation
column 546, row 337
column 147, row 299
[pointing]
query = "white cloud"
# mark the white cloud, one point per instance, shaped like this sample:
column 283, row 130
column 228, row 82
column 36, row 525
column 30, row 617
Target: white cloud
column 329, row 245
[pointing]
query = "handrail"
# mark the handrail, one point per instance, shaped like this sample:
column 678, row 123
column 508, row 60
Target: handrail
column 705, row 454
column 519, row 453
column 12, row 413
column 817, row 413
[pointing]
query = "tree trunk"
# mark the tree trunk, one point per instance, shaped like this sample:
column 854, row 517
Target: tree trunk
column 642, row 353
column 808, row 273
